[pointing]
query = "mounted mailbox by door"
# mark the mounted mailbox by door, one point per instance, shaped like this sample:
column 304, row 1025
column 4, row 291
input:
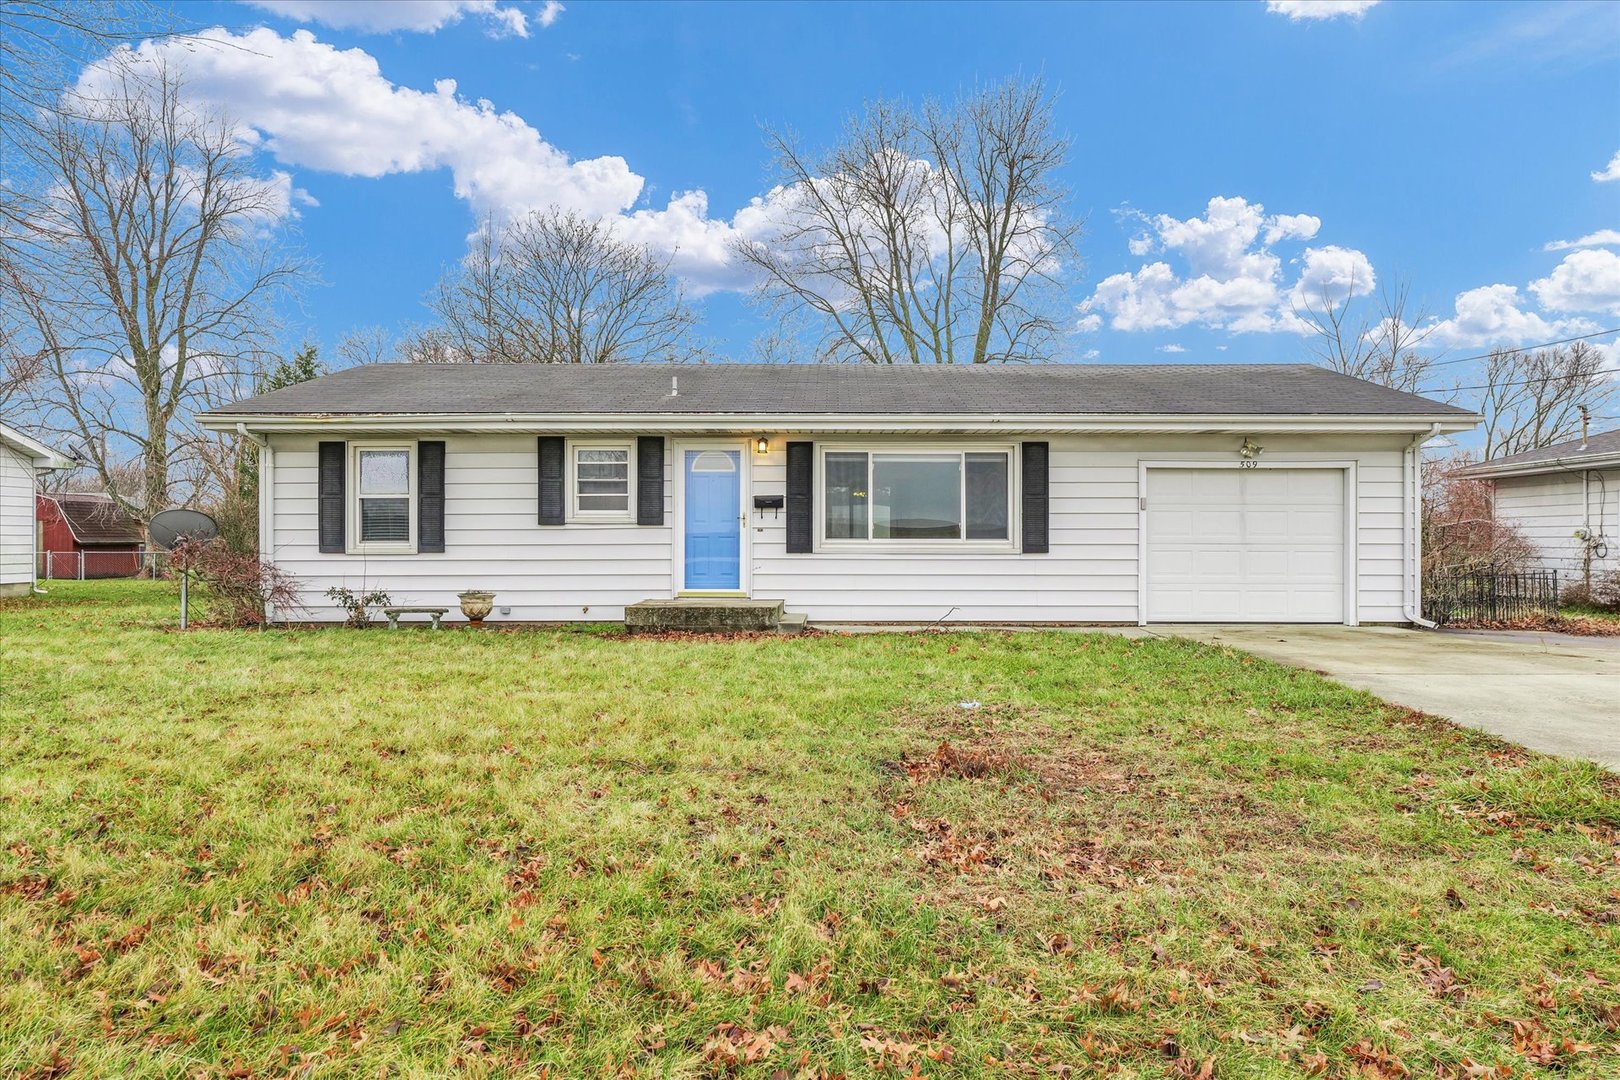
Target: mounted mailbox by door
column 763, row 503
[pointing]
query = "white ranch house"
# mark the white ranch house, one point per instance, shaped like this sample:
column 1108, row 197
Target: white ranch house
column 22, row 459
column 1026, row 494
column 1564, row 499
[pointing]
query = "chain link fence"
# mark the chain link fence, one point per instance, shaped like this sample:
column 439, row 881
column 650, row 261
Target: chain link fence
column 87, row 565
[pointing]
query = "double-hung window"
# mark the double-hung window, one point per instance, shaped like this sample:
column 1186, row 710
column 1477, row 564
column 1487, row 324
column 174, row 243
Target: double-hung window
column 383, row 480
column 599, row 474
column 914, row 498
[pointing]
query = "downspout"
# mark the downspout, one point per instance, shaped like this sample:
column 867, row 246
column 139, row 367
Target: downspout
column 33, row 531
column 1412, row 482
column 267, row 477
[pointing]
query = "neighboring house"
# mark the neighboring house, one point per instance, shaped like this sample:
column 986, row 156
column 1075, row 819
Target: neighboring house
column 1565, row 499
column 84, row 535
column 22, row 459
column 1040, row 493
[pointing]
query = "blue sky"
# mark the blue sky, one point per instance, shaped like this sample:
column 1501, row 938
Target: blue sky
column 1451, row 143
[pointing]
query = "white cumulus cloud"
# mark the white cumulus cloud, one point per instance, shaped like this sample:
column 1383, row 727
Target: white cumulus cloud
column 1609, row 172
column 415, row 16
column 1494, row 315
column 549, row 13
column 311, row 105
column 1587, row 280
column 1601, row 238
column 1300, row 10
column 1233, row 279
column 1172, row 348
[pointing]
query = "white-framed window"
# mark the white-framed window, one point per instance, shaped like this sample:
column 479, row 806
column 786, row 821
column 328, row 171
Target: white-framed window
column 917, row 498
column 382, row 497
column 600, row 480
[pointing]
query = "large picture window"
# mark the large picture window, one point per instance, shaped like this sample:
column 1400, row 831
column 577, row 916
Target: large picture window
column 601, row 481
column 920, row 497
column 383, row 505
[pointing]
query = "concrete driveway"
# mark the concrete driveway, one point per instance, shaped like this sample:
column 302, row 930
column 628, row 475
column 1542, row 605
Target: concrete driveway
column 1551, row 692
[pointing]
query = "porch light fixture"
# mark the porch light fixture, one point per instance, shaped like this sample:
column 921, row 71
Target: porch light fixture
column 1250, row 449
column 762, row 445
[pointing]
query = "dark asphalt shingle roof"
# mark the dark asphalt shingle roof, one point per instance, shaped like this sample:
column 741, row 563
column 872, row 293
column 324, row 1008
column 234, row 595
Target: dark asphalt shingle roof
column 96, row 519
column 762, row 389
column 1603, row 444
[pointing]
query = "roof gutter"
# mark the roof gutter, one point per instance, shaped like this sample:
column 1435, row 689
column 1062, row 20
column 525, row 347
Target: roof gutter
column 822, row 422
column 1412, row 481
column 257, row 440
column 1490, row 470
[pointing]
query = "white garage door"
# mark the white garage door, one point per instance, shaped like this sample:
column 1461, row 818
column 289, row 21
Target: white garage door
column 1245, row 545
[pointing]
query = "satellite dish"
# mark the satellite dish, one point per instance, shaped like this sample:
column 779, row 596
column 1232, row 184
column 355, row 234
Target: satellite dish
column 169, row 527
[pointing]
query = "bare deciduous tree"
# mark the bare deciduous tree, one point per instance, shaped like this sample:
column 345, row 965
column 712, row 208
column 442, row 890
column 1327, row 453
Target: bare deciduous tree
column 925, row 235
column 145, row 270
column 1533, row 399
column 43, row 44
column 557, row 287
column 1381, row 348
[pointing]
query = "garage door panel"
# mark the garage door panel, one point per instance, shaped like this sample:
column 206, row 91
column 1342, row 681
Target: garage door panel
column 1213, row 526
column 1261, row 545
column 1320, row 485
column 1216, row 565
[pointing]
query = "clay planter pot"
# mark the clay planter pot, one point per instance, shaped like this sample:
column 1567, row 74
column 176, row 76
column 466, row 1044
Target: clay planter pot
column 475, row 604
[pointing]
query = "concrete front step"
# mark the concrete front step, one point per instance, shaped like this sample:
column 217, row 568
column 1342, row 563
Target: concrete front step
column 703, row 614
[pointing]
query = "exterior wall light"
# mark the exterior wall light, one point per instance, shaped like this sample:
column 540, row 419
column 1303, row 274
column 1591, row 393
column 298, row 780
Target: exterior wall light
column 1250, row 450
column 762, row 445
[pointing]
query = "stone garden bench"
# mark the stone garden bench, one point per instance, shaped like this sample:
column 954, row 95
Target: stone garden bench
column 393, row 613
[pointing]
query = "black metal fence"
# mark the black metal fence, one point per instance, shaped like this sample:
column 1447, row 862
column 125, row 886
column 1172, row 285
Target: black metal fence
column 1490, row 595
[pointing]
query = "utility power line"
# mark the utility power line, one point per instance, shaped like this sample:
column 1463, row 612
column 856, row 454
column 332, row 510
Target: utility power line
column 1522, row 348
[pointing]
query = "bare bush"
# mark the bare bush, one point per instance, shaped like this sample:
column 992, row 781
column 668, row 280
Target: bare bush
column 1459, row 530
column 239, row 588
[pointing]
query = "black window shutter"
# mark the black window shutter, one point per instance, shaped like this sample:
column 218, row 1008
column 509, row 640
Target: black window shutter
column 801, row 497
column 1036, row 509
column 553, row 509
column 332, row 512
column 430, row 497
column 650, row 480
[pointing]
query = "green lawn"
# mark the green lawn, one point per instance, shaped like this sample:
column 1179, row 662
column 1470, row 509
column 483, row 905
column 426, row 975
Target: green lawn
column 332, row 853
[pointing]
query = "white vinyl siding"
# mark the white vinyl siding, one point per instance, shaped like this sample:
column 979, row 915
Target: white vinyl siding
column 551, row 573
column 590, row 571
column 16, row 520
column 1547, row 509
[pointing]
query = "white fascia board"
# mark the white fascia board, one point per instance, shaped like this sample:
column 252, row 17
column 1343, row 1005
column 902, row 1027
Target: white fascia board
column 822, row 423
column 42, row 456
column 1488, row 471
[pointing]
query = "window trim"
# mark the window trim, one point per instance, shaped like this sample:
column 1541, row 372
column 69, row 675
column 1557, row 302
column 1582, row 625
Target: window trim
column 575, row 515
column 352, row 497
column 911, row 546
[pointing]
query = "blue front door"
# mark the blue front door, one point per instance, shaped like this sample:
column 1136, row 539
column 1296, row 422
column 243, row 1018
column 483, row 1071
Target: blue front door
column 713, row 519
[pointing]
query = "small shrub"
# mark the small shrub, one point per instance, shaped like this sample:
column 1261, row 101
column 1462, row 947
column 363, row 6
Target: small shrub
column 238, row 587
column 1603, row 594
column 358, row 605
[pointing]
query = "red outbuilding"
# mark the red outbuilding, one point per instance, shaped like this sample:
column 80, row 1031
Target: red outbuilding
column 84, row 535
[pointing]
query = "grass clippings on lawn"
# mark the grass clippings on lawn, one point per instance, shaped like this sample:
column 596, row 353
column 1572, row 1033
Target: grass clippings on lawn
column 561, row 853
